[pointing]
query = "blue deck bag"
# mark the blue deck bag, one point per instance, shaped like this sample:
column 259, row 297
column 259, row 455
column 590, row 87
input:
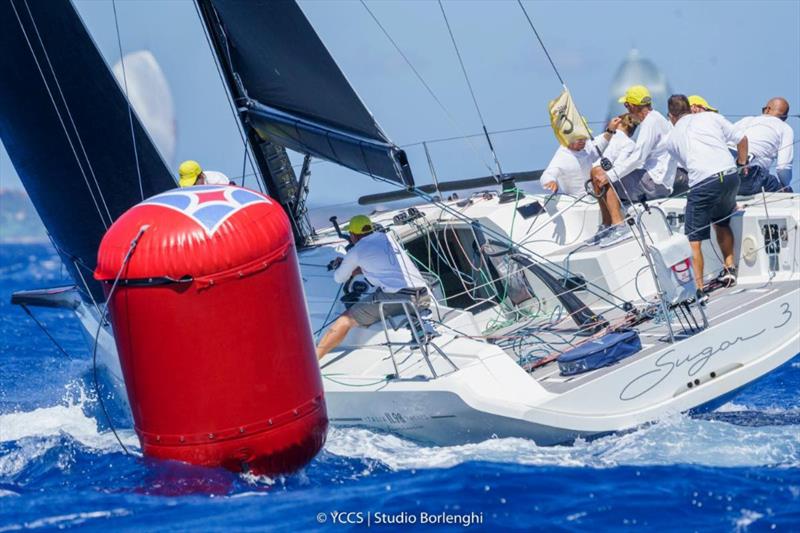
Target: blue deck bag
column 598, row 353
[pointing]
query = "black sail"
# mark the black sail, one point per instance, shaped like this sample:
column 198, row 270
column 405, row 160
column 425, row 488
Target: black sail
column 65, row 124
column 292, row 91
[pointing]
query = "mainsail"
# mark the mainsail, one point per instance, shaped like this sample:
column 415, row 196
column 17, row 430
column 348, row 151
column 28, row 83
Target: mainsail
column 289, row 90
column 66, row 126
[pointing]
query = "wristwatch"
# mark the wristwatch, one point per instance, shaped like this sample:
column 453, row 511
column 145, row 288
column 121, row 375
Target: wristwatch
column 609, row 131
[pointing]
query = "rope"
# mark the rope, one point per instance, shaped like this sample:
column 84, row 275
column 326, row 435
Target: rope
column 127, row 99
column 471, row 90
column 101, row 319
column 558, row 75
column 428, row 88
column 225, row 88
column 58, row 112
column 44, row 329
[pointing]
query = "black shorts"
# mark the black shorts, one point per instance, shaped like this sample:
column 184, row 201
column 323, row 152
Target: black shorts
column 711, row 201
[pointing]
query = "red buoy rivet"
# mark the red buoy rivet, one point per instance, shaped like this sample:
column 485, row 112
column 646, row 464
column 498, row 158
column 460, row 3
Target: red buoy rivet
column 269, row 421
column 182, row 438
column 241, row 430
column 241, row 274
column 295, row 412
column 210, row 435
column 158, row 438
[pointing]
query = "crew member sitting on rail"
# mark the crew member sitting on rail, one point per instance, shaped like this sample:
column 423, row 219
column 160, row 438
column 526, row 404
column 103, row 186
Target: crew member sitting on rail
column 190, row 173
column 569, row 168
column 699, row 143
column 386, row 265
column 771, row 141
column 646, row 173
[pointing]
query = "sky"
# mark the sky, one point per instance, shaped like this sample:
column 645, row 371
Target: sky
column 735, row 54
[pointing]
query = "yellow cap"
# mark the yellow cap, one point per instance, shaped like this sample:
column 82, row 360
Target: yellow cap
column 188, row 172
column 360, row 224
column 699, row 101
column 636, row 95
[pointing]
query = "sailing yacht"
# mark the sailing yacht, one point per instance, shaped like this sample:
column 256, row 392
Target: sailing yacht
column 519, row 292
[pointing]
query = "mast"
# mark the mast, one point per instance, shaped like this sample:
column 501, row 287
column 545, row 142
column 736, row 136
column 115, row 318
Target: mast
column 274, row 167
column 289, row 93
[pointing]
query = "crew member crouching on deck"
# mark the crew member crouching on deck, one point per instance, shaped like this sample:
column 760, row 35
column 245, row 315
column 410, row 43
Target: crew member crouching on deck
column 386, row 265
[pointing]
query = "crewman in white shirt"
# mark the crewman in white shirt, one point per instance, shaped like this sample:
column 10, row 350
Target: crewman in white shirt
column 570, row 167
column 385, row 265
column 699, row 143
column 646, row 173
column 191, row 173
column 771, row 142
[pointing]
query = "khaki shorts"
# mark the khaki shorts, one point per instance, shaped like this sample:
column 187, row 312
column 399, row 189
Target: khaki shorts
column 367, row 311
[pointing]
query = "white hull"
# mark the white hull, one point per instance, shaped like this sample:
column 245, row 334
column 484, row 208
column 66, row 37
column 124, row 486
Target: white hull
column 485, row 393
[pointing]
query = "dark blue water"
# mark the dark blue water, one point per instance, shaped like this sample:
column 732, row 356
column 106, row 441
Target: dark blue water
column 60, row 467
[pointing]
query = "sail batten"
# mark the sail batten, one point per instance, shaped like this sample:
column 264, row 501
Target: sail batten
column 294, row 92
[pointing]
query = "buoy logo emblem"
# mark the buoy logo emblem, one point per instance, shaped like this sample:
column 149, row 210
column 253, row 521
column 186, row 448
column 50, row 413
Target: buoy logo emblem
column 208, row 205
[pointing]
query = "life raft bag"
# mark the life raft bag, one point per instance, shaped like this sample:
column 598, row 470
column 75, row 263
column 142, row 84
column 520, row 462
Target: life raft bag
column 598, row 353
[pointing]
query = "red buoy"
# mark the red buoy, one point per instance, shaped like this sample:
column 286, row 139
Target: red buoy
column 212, row 331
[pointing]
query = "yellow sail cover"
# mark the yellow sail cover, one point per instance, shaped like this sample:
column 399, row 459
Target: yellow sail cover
column 567, row 122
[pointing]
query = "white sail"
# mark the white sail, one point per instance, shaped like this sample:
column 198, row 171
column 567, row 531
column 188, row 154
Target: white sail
column 149, row 93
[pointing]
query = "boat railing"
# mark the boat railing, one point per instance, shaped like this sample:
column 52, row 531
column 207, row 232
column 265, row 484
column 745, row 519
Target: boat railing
column 422, row 334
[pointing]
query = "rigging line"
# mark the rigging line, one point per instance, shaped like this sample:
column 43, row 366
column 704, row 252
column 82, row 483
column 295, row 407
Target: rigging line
column 128, row 100
column 44, row 329
column 541, row 42
column 228, row 95
column 101, row 319
column 427, row 87
column 471, row 91
column 69, row 114
column 494, row 132
column 58, row 113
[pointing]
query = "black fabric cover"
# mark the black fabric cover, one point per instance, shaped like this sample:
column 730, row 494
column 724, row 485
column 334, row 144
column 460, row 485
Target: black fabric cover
column 64, row 122
column 298, row 95
column 600, row 352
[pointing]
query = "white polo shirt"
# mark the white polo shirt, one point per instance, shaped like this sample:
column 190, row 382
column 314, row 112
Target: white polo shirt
column 618, row 147
column 650, row 151
column 216, row 178
column 699, row 143
column 383, row 262
column 770, row 141
column 570, row 169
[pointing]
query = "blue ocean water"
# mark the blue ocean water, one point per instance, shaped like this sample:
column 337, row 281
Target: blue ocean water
column 61, row 468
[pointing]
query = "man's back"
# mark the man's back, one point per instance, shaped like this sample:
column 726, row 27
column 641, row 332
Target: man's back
column 699, row 142
column 769, row 139
column 650, row 152
column 383, row 262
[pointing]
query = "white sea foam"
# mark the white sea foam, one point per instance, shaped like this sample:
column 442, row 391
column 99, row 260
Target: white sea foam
column 37, row 431
column 677, row 440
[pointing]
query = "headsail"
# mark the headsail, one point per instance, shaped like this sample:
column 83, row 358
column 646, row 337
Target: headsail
column 64, row 122
column 291, row 91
